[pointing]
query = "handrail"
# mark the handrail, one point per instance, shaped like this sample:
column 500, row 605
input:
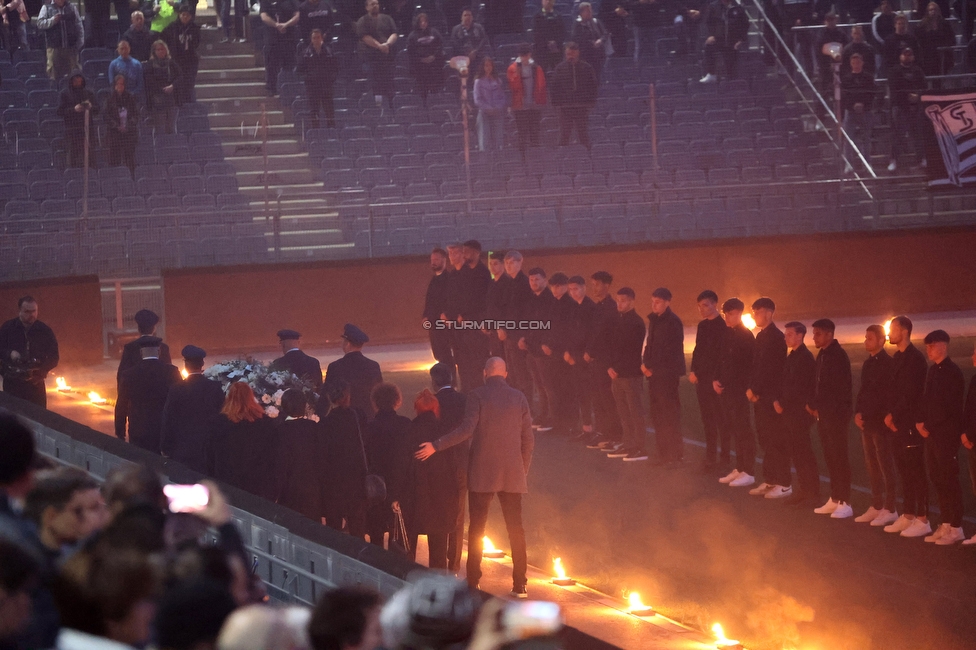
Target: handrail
column 798, row 28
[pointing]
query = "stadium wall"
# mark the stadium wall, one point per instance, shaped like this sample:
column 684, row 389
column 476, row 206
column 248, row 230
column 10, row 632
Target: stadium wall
column 831, row 275
column 72, row 306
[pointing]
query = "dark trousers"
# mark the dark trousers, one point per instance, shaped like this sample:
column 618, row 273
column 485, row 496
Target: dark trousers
column 436, row 550
column 527, row 124
column 518, row 365
column 581, row 403
column 942, row 459
column 880, row 465
column 833, row 440
column 909, row 452
column 627, row 395
column 539, row 370
column 440, row 345
column 605, row 414
column 666, row 416
column 381, row 74
column 801, row 449
column 511, row 502
column 188, row 80
column 566, row 410
column 240, row 11
column 456, row 539
column 972, row 468
column 574, row 117
column 320, row 99
column 122, row 151
column 278, row 55
column 25, row 390
column 716, row 433
column 471, row 355
column 728, row 54
column 906, row 131
column 771, row 431
column 735, row 406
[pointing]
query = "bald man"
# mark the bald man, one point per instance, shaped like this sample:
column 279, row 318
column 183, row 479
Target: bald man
column 498, row 422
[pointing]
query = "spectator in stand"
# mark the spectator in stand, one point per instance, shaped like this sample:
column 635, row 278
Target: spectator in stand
column 56, row 505
column 968, row 436
column 906, row 83
column 934, row 33
column 527, row 82
column 503, row 16
column 591, row 39
column 63, row 37
column 727, row 25
column 280, row 40
column 14, row 29
column 121, row 121
column 491, row 101
column 130, row 69
column 548, row 32
column 183, row 38
column 825, row 68
column 574, row 90
column 241, row 444
column 161, row 76
column 627, row 382
column 345, row 492
column 387, row 455
column 858, row 46
column 786, row 16
column 425, row 50
column 316, row 14
column 78, row 105
column 896, row 43
column 648, row 18
column 469, row 39
column 301, row 448
column 857, row 93
column 241, row 10
column 377, row 35
column 320, row 69
column 883, row 23
column 346, row 618
column 613, row 20
column 140, row 38
column 97, row 21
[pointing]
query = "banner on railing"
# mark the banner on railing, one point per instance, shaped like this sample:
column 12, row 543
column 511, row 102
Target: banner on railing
column 954, row 119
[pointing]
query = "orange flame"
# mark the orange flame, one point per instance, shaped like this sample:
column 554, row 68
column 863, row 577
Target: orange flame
column 184, row 373
column 487, row 545
column 887, row 328
column 62, row 384
column 557, row 566
column 95, row 398
column 720, row 639
column 748, row 321
column 636, row 604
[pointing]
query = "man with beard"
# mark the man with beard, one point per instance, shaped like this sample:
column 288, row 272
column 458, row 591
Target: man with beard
column 28, row 352
column 435, row 305
column 473, row 281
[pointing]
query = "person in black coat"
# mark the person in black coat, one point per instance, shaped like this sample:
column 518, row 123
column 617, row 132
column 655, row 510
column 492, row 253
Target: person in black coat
column 727, row 25
column 908, row 372
column 554, row 343
column 663, row 365
column 183, row 38
column 241, row 448
column 539, row 309
column 582, row 313
column 833, row 407
column 731, row 384
column 451, row 413
column 704, row 370
column 549, row 32
column 473, row 281
column 300, row 450
column 494, row 300
column 143, row 390
column 191, row 407
column 968, row 436
column 295, row 361
column 799, row 380
column 146, row 322
column 358, row 372
column 939, row 421
column 121, row 120
column 345, row 462
column 28, row 352
column 320, row 69
column 573, row 88
column 387, row 454
column 627, row 382
column 513, row 306
column 596, row 358
column 870, row 409
column 435, row 304
column 75, row 102
column 425, row 51
column 765, row 383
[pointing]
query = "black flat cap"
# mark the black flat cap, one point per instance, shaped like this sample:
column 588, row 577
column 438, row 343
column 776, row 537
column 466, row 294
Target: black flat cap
column 937, row 336
column 354, row 335
column 150, row 342
column 288, row 335
column 193, row 352
column 146, row 319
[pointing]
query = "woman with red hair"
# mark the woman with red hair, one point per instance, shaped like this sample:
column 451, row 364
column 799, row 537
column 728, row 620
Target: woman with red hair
column 428, row 493
column 241, row 449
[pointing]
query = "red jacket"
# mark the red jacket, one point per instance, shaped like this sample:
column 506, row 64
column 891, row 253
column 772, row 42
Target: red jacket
column 518, row 93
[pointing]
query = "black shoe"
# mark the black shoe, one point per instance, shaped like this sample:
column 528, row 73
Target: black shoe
column 595, row 442
column 519, row 592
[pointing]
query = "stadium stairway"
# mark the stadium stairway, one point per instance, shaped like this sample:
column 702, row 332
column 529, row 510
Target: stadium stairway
column 231, row 84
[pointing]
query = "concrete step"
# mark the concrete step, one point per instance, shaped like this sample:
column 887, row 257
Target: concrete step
column 250, row 162
column 250, row 89
column 298, row 189
column 206, row 77
column 252, row 132
column 233, row 120
column 247, row 102
column 309, row 207
column 277, row 176
column 227, row 62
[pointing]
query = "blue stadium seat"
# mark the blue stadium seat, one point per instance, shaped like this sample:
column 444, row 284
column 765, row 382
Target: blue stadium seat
column 59, row 207
column 51, row 129
column 218, row 168
column 13, row 191
column 337, row 179
column 43, row 99
column 74, row 189
column 33, row 159
column 188, row 185
column 20, row 210
column 151, row 171
column 183, row 169
column 21, row 129
column 153, row 185
column 167, row 202
column 27, row 69
column 221, row 184
column 406, row 175
column 46, row 190
column 199, row 203
column 232, row 200
column 192, row 124
column 18, row 115
column 117, row 187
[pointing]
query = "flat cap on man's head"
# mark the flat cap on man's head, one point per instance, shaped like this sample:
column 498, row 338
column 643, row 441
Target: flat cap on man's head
column 150, row 342
column 662, row 293
column 192, row 352
column 626, row 291
column 354, row 335
column 146, row 319
column 937, row 336
column 289, row 335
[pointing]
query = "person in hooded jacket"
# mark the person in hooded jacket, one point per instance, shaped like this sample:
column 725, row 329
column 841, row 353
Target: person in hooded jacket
column 425, row 50
column 75, row 103
column 161, row 78
column 122, row 119
column 183, row 38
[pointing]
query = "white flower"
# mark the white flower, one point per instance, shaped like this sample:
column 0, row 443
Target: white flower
column 266, row 398
column 271, row 411
column 277, row 397
column 236, row 373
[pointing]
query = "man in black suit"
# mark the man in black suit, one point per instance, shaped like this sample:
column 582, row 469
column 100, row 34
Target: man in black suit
column 596, row 357
column 497, row 291
column 435, row 304
column 799, row 380
column 28, row 352
column 583, row 312
column 452, row 412
column 143, row 390
column 473, row 280
column 146, row 321
column 297, row 362
column 730, row 385
column 514, row 305
column 539, row 309
column 190, row 407
column 354, row 368
column 663, row 363
column 705, row 362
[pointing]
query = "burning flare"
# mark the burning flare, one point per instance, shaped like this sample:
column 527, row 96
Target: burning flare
column 489, row 550
column 95, row 398
column 887, row 328
column 184, row 373
column 721, row 641
column 62, row 384
column 748, row 321
column 637, row 606
column 557, row 566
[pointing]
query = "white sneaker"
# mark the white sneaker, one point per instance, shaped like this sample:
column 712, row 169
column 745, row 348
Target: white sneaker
column 843, row 511
column 743, row 480
column 827, row 508
column 892, row 166
column 731, row 476
column 869, row 515
column 918, row 528
column 778, row 492
column 900, row 524
column 942, row 530
column 761, row 489
column 951, row 536
column 708, row 79
column 884, row 518
column 969, row 542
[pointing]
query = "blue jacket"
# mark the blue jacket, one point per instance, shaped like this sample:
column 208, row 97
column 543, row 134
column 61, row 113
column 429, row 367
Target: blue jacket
column 131, row 69
column 489, row 94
